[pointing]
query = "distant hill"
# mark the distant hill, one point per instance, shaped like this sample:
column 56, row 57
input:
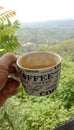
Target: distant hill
column 56, row 36
column 64, row 49
column 48, row 32
column 51, row 23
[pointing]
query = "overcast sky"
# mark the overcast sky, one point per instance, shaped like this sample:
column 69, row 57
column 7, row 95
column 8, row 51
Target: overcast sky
column 40, row 10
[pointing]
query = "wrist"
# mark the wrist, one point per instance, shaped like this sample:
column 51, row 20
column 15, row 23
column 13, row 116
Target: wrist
column 3, row 98
column 4, row 95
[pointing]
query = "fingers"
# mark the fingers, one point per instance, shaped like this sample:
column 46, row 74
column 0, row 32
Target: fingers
column 8, row 87
column 3, row 78
column 11, row 88
column 7, row 60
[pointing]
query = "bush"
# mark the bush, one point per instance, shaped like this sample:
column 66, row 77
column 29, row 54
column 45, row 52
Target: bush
column 26, row 112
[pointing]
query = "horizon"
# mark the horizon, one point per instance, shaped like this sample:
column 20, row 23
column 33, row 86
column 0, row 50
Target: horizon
column 55, row 20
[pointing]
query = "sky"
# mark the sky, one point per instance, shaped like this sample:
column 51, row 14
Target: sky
column 40, row 10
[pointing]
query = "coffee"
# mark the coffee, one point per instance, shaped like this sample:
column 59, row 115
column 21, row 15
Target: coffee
column 37, row 66
column 38, row 61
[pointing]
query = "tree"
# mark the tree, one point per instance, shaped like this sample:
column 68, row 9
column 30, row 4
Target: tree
column 8, row 39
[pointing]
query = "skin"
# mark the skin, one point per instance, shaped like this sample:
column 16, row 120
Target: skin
column 8, row 87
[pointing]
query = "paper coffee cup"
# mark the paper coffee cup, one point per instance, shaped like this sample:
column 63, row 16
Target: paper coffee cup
column 39, row 72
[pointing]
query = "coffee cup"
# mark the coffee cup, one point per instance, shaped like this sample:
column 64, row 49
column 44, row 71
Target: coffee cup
column 39, row 72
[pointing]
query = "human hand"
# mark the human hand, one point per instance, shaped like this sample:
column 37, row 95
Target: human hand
column 8, row 86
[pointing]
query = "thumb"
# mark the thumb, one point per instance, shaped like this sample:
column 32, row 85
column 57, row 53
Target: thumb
column 7, row 60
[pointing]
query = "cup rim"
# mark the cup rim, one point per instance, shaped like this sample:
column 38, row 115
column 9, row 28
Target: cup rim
column 25, row 68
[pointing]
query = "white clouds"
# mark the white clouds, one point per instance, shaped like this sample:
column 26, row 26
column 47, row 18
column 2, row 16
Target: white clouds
column 36, row 10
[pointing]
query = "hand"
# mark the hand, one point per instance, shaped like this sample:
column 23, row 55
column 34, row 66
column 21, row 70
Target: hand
column 8, row 87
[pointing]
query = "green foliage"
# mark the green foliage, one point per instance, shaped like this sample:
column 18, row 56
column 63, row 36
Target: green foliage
column 8, row 39
column 64, row 49
column 25, row 112
column 67, row 91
